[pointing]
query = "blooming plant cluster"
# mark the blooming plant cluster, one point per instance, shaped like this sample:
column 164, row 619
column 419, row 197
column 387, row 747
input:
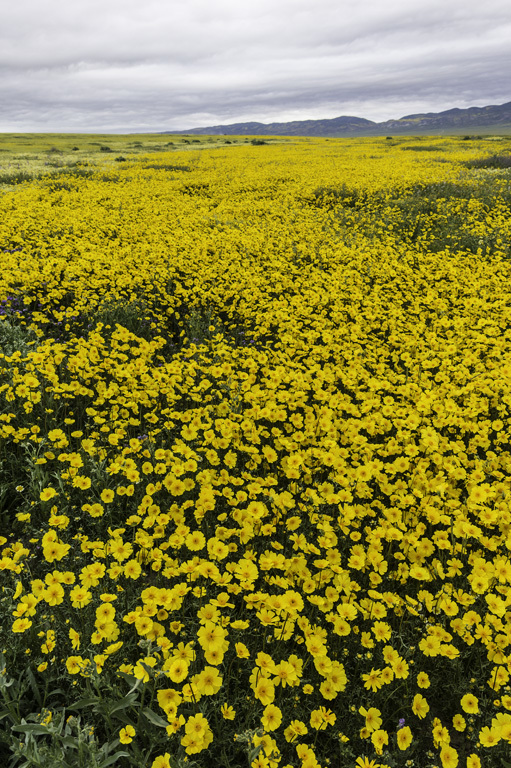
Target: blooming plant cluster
column 255, row 459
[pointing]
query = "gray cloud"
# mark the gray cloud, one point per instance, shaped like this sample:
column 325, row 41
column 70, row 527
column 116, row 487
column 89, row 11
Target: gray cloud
column 121, row 65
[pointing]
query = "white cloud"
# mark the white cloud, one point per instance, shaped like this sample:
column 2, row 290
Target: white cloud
column 126, row 66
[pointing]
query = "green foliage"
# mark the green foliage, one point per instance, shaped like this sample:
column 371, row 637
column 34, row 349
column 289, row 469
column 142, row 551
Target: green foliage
column 424, row 148
column 131, row 315
column 492, row 161
column 15, row 337
column 15, row 177
column 56, row 736
column 433, row 217
column 61, row 743
column 168, row 167
column 343, row 195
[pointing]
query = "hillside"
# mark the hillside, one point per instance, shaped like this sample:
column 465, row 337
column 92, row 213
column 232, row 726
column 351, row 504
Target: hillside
column 480, row 119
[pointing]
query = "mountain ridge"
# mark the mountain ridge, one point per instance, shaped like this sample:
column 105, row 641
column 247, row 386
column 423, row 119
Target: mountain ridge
column 494, row 115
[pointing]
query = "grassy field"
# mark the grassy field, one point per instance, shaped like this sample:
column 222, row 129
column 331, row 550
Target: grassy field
column 255, row 452
column 33, row 156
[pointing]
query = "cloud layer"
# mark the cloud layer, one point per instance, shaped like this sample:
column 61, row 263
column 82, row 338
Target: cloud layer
column 126, row 66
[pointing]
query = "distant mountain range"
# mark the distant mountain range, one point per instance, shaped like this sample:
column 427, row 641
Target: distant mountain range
column 455, row 120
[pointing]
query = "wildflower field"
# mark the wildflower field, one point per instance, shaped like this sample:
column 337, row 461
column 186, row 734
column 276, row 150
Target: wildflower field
column 255, row 469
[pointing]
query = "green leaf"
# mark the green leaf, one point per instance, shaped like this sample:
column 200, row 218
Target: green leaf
column 57, row 691
column 81, row 703
column 113, row 759
column 154, row 718
column 34, row 686
column 69, row 741
column 33, row 728
column 124, row 703
column 506, row 764
column 132, row 680
column 254, row 753
column 148, row 669
column 60, row 721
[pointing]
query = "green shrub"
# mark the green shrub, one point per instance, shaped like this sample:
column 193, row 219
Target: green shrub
column 492, row 161
column 17, row 177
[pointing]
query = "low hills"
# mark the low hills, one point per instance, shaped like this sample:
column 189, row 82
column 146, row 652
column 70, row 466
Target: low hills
column 490, row 119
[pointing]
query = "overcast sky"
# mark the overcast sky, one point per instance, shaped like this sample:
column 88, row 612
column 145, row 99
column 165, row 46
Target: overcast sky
column 155, row 65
